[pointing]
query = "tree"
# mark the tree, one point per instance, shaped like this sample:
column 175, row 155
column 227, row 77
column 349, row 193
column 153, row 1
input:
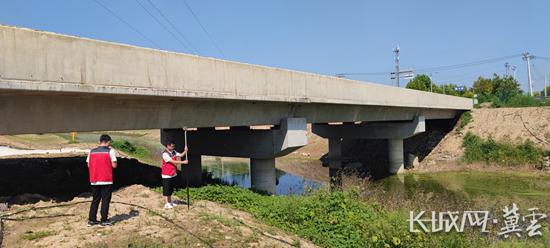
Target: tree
column 483, row 87
column 420, row 82
column 504, row 88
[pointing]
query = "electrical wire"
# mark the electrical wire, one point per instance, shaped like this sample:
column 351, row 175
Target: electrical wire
column 440, row 68
column 165, row 28
column 204, row 29
column 125, row 22
column 173, row 26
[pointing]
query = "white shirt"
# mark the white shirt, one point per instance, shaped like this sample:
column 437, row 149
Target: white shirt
column 167, row 158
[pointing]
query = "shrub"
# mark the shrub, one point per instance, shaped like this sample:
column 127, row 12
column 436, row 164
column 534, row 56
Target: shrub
column 477, row 149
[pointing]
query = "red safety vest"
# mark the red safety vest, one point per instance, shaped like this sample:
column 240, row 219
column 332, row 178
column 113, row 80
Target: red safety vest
column 169, row 169
column 100, row 166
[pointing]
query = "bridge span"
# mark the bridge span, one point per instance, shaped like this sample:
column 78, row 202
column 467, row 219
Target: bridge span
column 58, row 83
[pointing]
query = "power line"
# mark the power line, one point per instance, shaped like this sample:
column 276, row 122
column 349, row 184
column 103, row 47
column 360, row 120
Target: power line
column 204, row 29
column 173, row 26
column 441, row 68
column 469, row 64
column 125, row 22
column 164, row 26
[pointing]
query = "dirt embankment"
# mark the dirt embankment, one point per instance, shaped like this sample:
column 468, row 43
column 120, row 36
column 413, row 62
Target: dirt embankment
column 512, row 125
column 140, row 221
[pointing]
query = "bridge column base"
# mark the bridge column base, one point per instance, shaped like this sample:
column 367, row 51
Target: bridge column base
column 396, row 157
column 262, row 175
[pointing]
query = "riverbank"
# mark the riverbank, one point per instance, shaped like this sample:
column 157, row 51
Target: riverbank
column 140, row 221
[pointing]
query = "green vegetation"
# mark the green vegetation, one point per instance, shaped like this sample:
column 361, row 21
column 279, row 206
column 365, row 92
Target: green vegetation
column 130, row 149
column 424, row 83
column 477, row 149
column 504, row 92
column 36, row 235
column 464, row 120
column 500, row 91
column 330, row 219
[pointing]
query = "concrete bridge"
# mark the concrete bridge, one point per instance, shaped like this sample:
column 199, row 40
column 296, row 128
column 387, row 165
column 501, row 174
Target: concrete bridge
column 58, row 83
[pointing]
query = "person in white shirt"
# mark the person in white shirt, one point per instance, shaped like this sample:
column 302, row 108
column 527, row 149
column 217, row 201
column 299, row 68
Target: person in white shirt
column 170, row 158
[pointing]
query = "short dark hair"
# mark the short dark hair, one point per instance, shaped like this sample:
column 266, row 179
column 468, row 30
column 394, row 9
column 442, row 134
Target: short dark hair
column 170, row 142
column 104, row 138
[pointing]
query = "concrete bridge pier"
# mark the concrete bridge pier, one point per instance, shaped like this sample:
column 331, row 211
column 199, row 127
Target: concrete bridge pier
column 335, row 161
column 262, row 146
column 262, row 175
column 193, row 170
column 394, row 132
column 396, row 159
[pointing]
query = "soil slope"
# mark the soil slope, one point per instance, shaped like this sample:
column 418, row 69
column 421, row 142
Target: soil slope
column 144, row 223
column 514, row 125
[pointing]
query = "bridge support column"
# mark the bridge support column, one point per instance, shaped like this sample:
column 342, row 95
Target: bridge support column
column 394, row 132
column 262, row 175
column 193, row 171
column 335, row 161
column 262, row 146
column 396, row 159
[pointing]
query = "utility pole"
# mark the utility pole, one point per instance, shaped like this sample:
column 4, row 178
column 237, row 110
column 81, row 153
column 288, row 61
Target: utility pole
column 545, row 85
column 514, row 71
column 507, row 69
column 396, row 51
column 527, row 57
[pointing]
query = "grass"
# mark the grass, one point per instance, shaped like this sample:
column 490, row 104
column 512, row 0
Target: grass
column 36, row 235
column 464, row 120
column 131, row 149
column 329, row 219
column 477, row 149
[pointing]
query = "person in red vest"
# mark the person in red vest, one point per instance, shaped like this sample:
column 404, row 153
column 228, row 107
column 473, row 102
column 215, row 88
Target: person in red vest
column 170, row 158
column 101, row 161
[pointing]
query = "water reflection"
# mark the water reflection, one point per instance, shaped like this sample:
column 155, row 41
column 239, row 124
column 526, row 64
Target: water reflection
column 466, row 186
column 237, row 173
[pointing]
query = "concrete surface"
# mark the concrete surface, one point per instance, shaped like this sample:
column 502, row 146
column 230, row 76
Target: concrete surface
column 63, row 83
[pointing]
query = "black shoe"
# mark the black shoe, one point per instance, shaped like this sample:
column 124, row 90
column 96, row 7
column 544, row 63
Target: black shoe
column 93, row 222
column 107, row 223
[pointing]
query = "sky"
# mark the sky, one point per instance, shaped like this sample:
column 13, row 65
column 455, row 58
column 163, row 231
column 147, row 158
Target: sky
column 318, row 36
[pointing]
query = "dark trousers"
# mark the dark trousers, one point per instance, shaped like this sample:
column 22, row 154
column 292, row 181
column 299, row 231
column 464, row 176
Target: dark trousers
column 100, row 193
column 168, row 186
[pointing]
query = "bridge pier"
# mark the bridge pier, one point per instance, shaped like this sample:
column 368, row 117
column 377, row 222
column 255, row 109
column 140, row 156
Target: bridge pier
column 396, row 156
column 394, row 132
column 262, row 175
column 193, row 171
column 262, row 146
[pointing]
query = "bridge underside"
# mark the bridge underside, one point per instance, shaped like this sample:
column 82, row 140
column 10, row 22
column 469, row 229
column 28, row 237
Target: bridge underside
column 49, row 112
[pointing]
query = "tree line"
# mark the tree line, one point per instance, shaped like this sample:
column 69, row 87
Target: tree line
column 498, row 91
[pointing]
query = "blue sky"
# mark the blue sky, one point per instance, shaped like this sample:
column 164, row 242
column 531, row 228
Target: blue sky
column 326, row 37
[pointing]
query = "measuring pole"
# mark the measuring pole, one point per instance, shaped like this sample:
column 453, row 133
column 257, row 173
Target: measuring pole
column 187, row 168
